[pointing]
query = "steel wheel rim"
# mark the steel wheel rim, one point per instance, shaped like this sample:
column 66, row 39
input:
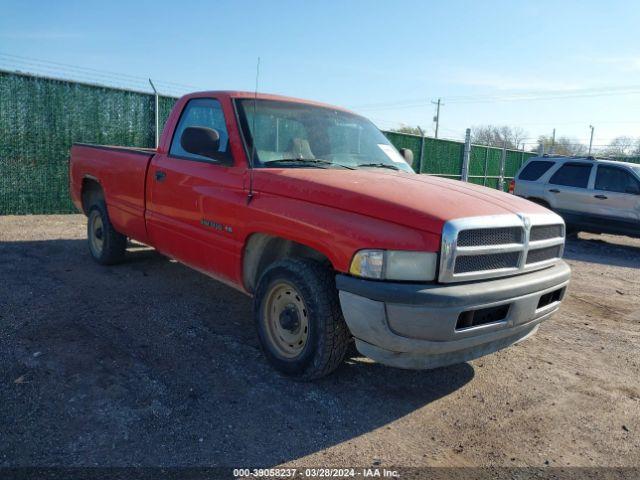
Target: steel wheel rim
column 286, row 319
column 96, row 237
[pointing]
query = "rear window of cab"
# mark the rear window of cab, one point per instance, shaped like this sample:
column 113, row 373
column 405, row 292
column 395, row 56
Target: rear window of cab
column 534, row 170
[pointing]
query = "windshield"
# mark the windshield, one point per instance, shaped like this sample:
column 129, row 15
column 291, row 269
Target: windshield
column 294, row 135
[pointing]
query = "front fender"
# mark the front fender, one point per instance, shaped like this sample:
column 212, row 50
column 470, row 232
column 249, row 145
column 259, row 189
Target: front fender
column 336, row 233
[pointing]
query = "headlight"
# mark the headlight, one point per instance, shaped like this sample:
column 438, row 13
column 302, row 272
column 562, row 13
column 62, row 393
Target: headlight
column 395, row 265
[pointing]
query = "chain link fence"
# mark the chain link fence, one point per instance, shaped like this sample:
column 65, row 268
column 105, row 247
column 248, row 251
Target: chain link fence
column 445, row 158
column 41, row 117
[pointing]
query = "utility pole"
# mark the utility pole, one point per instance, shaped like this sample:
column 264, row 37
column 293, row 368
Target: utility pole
column 503, row 160
column 437, row 117
column 466, row 156
column 591, row 139
column 553, row 142
column 421, row 149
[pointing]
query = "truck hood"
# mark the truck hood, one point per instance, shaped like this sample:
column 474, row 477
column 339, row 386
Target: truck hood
column 418, row 201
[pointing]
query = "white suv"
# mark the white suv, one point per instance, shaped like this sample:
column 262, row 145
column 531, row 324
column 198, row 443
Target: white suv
column 593, row 195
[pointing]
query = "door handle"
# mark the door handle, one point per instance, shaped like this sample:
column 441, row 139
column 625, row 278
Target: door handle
column 160, row 175
column 601, row 197
column 553, row 190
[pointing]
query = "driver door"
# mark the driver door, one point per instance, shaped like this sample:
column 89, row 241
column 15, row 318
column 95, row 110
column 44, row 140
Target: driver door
column 193, row 200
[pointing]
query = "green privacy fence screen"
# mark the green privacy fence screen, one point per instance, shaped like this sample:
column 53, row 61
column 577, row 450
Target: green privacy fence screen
column 444, row 158
column 40, row 118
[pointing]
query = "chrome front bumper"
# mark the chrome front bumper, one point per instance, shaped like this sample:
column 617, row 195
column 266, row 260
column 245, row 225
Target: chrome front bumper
column 419, row 326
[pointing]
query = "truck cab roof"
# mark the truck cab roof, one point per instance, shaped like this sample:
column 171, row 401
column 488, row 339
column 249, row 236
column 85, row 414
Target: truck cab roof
column 238, row 94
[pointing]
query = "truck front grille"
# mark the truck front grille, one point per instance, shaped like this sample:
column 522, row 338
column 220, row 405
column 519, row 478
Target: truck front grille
column 544, row 232
column 481, row 263
column 489, row 236
column 499, row 245
column 542, row 254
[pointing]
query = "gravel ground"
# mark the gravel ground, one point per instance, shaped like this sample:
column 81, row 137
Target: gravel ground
column 150, row 363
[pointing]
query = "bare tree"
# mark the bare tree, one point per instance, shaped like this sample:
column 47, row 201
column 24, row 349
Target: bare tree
column 407, row 129
column 562, row 146
column 496, row 136
column 622, row 146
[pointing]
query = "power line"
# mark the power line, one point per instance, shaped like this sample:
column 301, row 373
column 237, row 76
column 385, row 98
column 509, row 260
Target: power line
column 577, row 122
column 87, row 69
column 548, row 93
column 512, row 97
column 84, row 80
column 17, row 62
column 119, row 80
column 457, row 135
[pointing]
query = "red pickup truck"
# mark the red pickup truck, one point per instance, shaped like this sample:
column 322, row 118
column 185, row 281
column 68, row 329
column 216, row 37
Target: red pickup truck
column 309, row 209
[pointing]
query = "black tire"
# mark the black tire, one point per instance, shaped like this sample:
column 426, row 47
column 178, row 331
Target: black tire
column 328, row 337
column 572, row 231
column 540, row 202
column 113, row 244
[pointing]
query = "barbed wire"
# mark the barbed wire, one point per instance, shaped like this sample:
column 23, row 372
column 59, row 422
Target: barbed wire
column 65, row 72
column 105, row 78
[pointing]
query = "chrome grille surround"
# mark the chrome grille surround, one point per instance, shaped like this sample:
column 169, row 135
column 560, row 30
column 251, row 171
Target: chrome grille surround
column 513, row 260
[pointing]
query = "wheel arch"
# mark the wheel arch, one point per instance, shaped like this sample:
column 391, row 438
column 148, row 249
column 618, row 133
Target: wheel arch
column 263, row 249
column 90, row 190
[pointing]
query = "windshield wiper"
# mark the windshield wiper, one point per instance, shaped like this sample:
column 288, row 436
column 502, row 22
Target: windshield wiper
column 379, row 165
column 316, row 162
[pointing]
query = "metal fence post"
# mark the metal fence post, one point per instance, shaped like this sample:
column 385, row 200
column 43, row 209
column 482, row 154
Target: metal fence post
column 486, row 166
column 157, row 113
column 464, row 174
column 421, row 149
column 503, row 159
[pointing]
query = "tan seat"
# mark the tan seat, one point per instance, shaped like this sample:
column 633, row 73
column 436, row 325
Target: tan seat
column 300, row 148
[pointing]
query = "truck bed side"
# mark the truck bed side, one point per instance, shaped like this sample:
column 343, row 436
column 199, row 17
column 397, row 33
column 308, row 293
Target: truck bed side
column 121, row 173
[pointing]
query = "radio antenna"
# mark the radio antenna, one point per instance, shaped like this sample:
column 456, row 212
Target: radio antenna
column 254, row 135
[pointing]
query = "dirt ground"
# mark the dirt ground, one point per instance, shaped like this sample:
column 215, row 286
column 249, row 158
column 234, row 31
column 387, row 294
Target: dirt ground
column 150, row 363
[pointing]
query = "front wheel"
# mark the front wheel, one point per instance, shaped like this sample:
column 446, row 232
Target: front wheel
column 300, row 324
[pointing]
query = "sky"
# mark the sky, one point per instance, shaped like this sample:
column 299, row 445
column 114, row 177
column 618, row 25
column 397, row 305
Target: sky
column 536, row 65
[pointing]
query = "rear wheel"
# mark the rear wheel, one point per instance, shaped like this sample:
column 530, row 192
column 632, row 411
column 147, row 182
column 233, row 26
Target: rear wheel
column 572, row 231
column 300, row 324
column 540, row 202
column 106, row 245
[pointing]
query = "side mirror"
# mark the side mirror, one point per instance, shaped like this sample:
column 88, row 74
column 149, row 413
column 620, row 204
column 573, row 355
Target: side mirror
column 407, row 154
column 201, row 141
